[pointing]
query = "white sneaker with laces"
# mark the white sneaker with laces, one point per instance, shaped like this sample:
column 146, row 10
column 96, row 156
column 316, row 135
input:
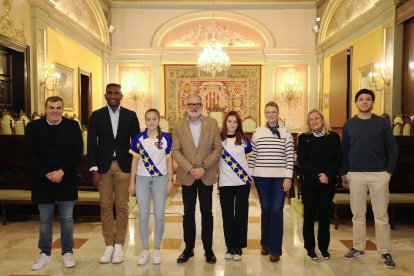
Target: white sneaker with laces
column 143, row 259
column 41, row 261
column 118, row 256
column 68, row 260
column 107, row 255
column 156, row 258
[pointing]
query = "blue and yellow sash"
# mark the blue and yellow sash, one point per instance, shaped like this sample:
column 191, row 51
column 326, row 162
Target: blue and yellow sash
column 148, row 163
column 236, row 167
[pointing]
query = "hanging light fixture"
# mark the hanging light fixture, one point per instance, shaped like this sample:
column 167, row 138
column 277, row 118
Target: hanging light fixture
column 213, row 59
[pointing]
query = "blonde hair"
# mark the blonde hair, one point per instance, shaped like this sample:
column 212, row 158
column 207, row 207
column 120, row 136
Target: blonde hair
column 325, row 129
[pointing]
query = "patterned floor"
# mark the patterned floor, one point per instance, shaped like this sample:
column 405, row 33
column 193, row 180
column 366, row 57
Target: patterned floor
column 18, row 248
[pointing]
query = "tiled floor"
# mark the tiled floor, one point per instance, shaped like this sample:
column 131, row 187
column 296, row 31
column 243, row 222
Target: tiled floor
column 18, row 249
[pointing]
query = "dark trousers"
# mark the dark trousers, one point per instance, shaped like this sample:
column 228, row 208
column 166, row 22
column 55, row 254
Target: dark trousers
column 317, row 202
column 234, row 201
column 189, row 200
column 272, row 200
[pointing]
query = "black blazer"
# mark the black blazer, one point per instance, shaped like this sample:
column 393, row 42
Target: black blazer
column 101, row 141
column 319, row 155
column 44, row 157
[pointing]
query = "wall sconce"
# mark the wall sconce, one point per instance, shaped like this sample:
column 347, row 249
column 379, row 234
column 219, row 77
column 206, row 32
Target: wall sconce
column 50, row 80
column 377, row 78
column 291, row 92
column 133, row 90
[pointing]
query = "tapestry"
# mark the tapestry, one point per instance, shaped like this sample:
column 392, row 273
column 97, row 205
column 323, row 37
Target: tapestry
column 236, row 89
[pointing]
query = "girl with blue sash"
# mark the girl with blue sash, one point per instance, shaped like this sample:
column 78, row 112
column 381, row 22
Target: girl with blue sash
column 234, row 185
column 151, row 176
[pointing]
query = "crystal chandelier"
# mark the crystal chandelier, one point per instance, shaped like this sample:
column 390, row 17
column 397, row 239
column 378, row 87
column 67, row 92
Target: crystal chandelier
column 213, row 60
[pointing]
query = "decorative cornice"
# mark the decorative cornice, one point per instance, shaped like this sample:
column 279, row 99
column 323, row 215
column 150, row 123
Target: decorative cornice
column 218, row 6
column 7, row 27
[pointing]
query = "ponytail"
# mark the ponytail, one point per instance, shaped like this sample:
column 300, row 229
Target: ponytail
column 159, row 137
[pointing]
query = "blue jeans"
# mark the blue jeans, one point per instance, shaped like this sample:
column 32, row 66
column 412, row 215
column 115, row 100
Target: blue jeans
column 66, row 226
column 272, row 199
column 145, row 187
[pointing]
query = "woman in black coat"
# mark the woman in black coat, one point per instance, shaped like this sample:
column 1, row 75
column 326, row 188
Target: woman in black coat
column 319, row 155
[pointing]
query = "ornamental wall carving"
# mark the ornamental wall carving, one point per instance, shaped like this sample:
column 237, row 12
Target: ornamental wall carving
column 345, row 12
column 79, row 11
column 7, row 26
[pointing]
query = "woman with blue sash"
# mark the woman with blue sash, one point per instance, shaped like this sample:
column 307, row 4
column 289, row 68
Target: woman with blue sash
column 234, row 185
column 151, row 176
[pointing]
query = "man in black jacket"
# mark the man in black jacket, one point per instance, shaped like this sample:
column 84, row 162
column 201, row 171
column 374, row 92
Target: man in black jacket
column 110, row 132
column 53, row 146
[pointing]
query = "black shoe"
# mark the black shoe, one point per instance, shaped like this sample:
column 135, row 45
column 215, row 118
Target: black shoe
column 229, row 254
column 312, row 256
column 210, row 257
column 324, row 254
column 237, row 254
column 187, row 254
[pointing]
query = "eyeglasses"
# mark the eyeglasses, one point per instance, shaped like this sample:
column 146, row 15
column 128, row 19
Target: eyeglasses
column 192, row 105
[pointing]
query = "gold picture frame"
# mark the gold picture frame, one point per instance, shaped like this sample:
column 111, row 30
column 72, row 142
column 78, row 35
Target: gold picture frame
column 65, row 87
column 364, row 78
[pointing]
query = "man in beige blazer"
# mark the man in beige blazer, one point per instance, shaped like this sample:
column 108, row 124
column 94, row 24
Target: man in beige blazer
column 197, row 148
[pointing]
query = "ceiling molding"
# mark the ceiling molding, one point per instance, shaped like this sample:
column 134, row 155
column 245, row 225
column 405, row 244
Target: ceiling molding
column 208, row 5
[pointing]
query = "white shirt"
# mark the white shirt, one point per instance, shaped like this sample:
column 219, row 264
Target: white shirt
column 195, row 130
column 158, row 156
column 227, row 177
column 114, row 121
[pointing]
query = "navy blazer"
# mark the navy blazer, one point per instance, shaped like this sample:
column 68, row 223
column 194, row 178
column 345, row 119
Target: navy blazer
column 44, row 155
column 102, row 143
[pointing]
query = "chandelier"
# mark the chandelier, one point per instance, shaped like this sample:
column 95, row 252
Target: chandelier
column 213, row 59
column 291, row 92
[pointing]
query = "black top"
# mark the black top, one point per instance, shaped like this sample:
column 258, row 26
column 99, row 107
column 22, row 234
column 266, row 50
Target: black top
column 49, row 148
column 319, row 155
column 368, row 146
column 102, row 143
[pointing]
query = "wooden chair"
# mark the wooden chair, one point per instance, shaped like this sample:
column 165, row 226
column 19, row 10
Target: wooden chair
column 396, row 129
column 407, row 129
column 411, row 116
column 75, row 118
column 21, row 123
column 7, row 123
column 36, row 116
column 398, row 118
column 164, row 124
column 249, row 125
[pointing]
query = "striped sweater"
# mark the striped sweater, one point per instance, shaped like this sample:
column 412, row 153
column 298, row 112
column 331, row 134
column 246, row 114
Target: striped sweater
column 272, row 156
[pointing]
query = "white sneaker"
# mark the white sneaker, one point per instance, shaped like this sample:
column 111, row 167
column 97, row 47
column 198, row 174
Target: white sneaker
column 41, row 261
column 68, row 260
column 156, row 258
column 107, row 255
column 118, row 256
column 143, row 259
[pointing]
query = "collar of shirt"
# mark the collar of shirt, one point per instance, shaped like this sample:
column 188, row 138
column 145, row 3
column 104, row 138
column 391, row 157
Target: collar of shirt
column 53, row 124
column 194, row 123
column 116, row 111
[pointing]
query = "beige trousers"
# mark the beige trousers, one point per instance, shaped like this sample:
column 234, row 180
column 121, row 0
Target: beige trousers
column 114, row 187
column 377, row 185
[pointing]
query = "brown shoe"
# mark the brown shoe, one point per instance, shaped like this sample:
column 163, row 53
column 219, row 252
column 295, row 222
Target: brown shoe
column 264, row 251
column 274, row 258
